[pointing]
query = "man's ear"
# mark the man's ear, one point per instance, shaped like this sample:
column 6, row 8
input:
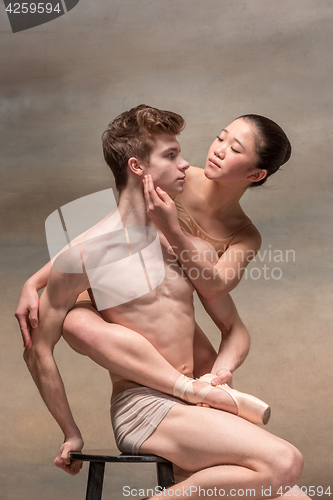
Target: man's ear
column 135, row 166
column 258, row 175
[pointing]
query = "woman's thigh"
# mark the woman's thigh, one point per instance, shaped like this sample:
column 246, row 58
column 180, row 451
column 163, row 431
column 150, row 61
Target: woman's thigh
column 107, row 344
column 118, row 349
column 81, row 324
column 195, row 438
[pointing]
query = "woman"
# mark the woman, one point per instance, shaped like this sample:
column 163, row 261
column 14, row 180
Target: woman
column 245, row 153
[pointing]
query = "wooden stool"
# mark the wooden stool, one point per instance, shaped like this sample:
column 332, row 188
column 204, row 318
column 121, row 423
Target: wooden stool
column 97, row 461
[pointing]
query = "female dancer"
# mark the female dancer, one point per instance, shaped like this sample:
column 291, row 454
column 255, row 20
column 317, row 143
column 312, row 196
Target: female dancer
column 245, row 153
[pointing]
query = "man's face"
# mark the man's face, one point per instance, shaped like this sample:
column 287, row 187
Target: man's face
column 166, row 166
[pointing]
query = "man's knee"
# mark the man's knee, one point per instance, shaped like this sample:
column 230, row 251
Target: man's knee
column 294, row 465
column 286, row 468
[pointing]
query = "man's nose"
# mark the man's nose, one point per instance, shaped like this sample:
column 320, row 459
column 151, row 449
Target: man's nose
column 184, row 165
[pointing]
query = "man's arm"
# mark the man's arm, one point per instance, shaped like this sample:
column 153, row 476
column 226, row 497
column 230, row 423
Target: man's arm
column 57, row 299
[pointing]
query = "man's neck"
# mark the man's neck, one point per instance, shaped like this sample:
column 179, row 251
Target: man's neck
column 132, row 207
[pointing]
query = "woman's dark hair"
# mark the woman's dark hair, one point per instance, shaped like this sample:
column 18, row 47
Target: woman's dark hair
column 272, row 145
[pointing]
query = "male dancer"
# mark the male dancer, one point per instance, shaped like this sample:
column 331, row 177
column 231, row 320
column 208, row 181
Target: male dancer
column 221, row 449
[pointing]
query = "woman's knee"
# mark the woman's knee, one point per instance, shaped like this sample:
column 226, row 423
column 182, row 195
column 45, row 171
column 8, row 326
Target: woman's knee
column 76, row 330
column 72, row 323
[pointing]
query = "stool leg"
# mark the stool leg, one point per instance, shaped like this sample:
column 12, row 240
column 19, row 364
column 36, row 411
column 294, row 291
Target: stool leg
column 95, row 481
column 164, row 474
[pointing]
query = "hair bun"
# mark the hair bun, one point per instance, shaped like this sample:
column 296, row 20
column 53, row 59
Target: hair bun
column 288, row 153
column 273, row 146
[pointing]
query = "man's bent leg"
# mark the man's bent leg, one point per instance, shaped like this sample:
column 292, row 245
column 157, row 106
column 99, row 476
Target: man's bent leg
column 225, row 452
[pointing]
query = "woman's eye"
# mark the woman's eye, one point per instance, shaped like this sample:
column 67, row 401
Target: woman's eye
column 235, row 151
column 219, row 138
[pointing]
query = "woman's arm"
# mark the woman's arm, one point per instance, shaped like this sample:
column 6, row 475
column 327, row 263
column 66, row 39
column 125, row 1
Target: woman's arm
column 27, row 308
column 212, row 280
column 234, row 346
column 204, row 354
column 235, row 339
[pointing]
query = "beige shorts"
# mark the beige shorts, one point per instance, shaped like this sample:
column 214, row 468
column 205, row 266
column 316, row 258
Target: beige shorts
column 136, row 411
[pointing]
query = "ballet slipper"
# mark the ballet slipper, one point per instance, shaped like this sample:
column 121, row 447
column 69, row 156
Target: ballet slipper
column 248, row 407
column 183, row 387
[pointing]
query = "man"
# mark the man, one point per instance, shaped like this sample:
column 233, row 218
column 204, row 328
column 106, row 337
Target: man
column 220, row 449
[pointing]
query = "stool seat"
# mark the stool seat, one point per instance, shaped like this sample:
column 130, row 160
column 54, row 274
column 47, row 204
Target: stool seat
column 98, row 458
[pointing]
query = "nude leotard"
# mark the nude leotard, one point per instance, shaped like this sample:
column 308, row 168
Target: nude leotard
column 187, row 223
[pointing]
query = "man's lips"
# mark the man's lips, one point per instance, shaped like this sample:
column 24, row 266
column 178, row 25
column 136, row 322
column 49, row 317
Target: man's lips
column 213, row 163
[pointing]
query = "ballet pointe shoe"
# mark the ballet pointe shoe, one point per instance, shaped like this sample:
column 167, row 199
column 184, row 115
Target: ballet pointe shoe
column 183, row 386
column 248, row 407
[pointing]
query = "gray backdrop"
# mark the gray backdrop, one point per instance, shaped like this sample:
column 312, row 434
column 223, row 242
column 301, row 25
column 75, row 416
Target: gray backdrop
column 61, row 83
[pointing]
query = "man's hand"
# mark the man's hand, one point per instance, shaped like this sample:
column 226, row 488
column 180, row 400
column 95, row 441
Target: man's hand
column 27, row 313
column 63, row 461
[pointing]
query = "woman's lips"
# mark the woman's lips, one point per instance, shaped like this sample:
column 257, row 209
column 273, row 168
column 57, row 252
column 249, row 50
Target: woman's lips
column 213, row 163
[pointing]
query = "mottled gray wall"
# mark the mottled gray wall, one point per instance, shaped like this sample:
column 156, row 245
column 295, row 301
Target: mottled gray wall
column 210, row 60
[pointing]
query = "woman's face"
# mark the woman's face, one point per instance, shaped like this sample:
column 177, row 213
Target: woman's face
column 232, row 156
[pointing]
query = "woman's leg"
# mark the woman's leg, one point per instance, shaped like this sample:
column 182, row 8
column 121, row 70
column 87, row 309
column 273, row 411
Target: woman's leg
column 118, row 349
column 128, row 354
column 225, row 453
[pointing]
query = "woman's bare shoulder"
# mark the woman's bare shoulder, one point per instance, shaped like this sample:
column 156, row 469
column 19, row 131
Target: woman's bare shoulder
column 195, row 172
column 249, row 236
column 194, row 176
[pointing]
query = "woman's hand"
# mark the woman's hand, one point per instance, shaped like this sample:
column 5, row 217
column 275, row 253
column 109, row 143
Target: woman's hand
column 223, row 376
column 160, row 207
column 27, row 312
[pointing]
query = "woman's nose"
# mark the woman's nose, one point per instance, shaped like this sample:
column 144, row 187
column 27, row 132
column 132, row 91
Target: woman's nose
column 220, row 151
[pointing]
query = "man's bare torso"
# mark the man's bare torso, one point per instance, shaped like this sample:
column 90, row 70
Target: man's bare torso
column 165, row 315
